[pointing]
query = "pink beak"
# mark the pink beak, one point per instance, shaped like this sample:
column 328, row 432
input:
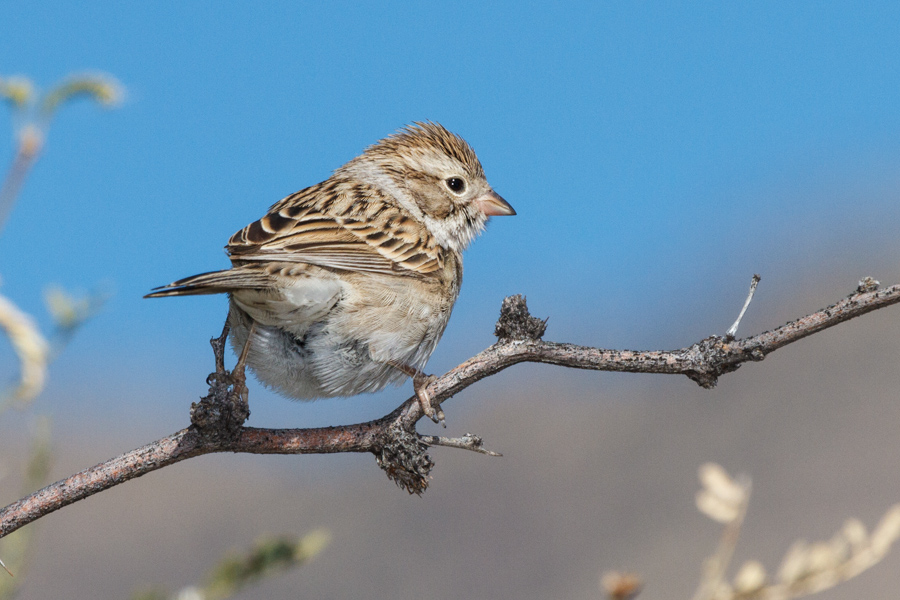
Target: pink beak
column 493, row 205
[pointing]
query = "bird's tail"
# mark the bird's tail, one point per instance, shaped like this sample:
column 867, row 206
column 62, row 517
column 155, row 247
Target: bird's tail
column 214, row 282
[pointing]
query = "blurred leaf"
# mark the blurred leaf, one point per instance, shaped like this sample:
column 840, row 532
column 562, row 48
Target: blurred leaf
column 18, row 91
column 70, row 313
column 102, row 88
column 30, row 346
column 268, row 557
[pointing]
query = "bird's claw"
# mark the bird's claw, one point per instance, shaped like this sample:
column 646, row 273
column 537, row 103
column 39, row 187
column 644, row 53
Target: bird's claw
column 433, row 411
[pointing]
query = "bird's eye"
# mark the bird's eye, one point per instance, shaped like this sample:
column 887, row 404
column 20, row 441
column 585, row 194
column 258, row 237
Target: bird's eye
column 456, row 185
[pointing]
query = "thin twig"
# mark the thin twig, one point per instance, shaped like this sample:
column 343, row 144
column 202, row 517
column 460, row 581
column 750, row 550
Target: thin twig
column 732, row 331
column 703, row 362
column 466, row 442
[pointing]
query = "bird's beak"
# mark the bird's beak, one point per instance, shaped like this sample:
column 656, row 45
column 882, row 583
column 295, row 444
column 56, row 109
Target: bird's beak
column 493, row 205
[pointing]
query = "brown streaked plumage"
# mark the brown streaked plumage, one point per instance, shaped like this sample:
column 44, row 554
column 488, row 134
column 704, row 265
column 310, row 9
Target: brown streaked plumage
column 349, row 283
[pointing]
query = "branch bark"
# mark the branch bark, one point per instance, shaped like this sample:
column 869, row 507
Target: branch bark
column 400, row 451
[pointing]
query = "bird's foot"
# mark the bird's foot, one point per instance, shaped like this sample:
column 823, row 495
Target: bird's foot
column 421, row 381
column 432, row 410
column 223, row 411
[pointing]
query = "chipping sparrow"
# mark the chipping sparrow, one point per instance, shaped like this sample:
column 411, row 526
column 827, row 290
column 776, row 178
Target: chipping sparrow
column 346, row 286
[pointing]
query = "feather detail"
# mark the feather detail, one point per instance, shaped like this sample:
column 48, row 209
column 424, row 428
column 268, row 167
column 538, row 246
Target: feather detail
column 340, row 225
column 216, row 282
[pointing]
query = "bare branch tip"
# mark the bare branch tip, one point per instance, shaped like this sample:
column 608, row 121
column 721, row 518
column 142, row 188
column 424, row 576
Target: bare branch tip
column 467, row 442
column 732, row 331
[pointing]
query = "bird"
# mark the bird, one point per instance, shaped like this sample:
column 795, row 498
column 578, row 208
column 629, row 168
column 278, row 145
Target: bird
column 347, row 286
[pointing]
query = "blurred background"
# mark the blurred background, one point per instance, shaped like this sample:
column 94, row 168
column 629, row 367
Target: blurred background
column 657, row 154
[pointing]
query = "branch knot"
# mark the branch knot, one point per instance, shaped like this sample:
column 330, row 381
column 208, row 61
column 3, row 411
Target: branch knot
column 220, row 415
column 867, row 284
column 403, row 458
column 516, row 323
column 710, row 356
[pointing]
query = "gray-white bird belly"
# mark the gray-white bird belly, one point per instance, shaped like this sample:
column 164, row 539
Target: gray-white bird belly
column 328, row 337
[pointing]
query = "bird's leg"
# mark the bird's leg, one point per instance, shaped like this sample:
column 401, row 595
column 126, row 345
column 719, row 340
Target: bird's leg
column 218, row 345
column 242, row 359
column 224, row 410
column 237, row 406
column 421, row 381
column 239, row 377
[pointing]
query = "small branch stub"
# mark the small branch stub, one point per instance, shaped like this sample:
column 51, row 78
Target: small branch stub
column 732, row 331
column 516, row 323
column 867, row 284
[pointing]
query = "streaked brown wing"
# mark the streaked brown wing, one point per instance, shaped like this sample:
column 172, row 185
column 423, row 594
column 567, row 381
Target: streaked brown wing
column 348, row 227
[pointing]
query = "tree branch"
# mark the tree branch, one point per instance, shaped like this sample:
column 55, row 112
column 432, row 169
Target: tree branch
column 399, row 449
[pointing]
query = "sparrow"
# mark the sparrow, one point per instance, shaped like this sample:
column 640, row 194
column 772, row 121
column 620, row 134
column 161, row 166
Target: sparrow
column 347, row 286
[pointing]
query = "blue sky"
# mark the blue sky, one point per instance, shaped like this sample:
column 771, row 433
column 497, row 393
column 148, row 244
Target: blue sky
column 658, row 154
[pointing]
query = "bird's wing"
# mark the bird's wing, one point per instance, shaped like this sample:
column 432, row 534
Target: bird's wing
column 343, row 226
